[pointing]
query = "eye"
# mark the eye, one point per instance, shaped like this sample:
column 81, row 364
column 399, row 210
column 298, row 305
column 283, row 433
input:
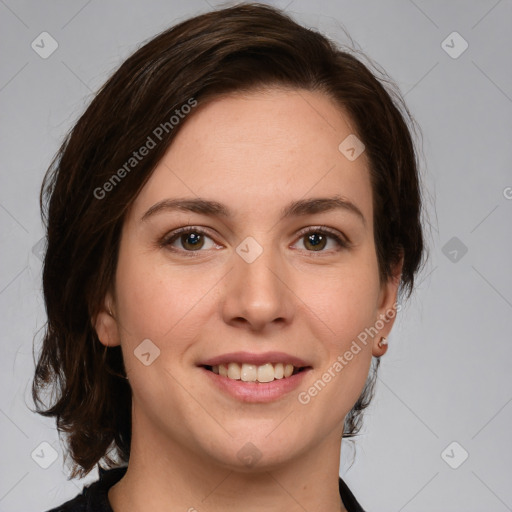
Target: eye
column 316, row 239
column 192, row 239
column 189, row 239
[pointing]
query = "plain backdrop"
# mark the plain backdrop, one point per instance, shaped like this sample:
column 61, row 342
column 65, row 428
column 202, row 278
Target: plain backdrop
column 437, row 436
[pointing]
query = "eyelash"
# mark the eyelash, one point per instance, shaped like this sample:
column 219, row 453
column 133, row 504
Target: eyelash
column 170, row 238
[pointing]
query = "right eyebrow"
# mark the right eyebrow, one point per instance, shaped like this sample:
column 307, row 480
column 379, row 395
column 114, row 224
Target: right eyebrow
column 192, row 205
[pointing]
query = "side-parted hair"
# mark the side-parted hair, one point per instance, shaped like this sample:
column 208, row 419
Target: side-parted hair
column 94, row 179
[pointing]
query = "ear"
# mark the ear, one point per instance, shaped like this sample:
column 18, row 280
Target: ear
column 387, row 308
column 106, row 324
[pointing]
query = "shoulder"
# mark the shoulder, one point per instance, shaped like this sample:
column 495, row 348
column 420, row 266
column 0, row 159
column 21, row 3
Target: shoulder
column 76, row 504
column 94, row 497
column 349, row 500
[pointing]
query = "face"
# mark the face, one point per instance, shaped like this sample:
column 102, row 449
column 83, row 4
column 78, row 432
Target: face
column 250, row 270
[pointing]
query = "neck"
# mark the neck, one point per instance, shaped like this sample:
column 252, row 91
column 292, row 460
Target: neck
column 164, row 475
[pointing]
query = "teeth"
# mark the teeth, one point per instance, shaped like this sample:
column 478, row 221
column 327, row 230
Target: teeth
column 234, row 371
column 266, row 373
column 249, row 373
column 252, row 373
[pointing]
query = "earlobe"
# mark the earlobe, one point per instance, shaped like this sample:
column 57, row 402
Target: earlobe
column 106, row 325
column 387, row 310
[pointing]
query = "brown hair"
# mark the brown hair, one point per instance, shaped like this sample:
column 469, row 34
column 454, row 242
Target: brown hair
column 240, row 48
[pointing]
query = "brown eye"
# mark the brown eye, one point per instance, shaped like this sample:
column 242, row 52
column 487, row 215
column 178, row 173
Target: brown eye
column 315, row 241
column 188, row 240
column 192, row 241
column 323, row 240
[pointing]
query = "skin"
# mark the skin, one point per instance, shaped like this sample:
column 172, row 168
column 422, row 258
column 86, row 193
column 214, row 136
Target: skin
column 254, row 152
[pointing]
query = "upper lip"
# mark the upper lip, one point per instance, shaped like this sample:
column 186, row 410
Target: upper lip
column 256, row 359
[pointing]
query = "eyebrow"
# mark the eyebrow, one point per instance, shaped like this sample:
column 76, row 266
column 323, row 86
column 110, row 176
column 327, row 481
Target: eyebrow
column 298, row 208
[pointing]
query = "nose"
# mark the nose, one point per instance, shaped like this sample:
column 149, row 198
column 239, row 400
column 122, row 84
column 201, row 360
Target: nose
column 258, row 295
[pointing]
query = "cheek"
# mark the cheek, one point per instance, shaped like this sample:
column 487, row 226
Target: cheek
column 339, row 314
column 340, row 310
column 345, row 301
column 156, row 301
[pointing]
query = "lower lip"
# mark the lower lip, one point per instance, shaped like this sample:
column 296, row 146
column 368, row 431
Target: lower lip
column 259, row 392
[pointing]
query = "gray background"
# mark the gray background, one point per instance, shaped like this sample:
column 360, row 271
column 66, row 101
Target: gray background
column 446, row 376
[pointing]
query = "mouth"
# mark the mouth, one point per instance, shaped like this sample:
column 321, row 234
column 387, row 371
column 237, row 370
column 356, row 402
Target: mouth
column 255, row 377
column 251, row 383
column 261, row 374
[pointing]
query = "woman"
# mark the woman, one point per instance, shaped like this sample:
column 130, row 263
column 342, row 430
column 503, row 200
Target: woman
column 230, row 226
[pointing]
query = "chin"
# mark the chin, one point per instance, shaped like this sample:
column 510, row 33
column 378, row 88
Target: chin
column 254, row 453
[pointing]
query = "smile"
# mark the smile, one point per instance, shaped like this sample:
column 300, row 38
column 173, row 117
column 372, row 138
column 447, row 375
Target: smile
column 274, row 388
column 247, row 372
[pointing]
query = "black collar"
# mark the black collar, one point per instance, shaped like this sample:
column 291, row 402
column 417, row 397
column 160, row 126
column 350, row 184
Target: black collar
column 94, row 498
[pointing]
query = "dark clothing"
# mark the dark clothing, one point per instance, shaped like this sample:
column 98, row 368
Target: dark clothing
column 94, row 497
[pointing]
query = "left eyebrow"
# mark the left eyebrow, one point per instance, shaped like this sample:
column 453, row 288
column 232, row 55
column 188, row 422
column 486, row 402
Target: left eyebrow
column 319, row 205
column 301, row 207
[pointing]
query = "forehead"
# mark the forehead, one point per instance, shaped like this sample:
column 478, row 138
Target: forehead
column 261, row 148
